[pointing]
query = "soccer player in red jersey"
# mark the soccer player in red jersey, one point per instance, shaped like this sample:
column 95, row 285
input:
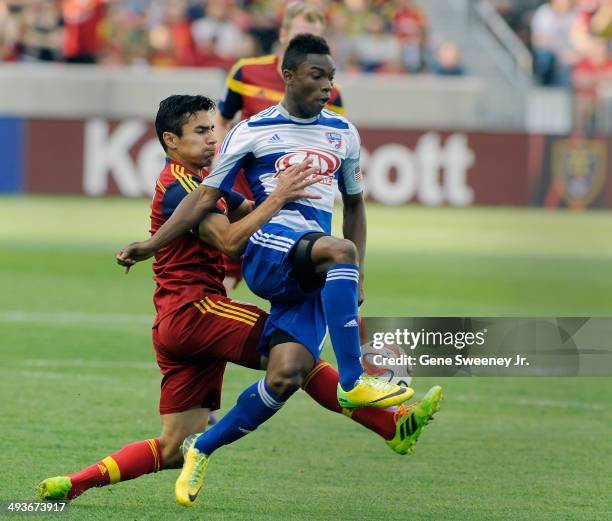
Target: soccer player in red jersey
column 197, row 328
column 254, row 84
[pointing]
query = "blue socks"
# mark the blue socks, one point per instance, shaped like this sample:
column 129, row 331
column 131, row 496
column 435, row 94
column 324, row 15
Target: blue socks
column 255, row 405
column 340, row 306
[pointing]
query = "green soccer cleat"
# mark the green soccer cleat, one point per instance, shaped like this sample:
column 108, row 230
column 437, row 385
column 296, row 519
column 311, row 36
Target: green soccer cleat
column 371, row 391
column 411, row 420
column 191, row 478
column 54, row 489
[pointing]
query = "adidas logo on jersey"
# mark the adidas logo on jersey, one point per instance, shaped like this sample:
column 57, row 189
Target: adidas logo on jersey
column 275, row 139
column 351, row 323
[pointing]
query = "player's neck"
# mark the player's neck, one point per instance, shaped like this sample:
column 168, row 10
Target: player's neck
column 293, row 109
column 189, row 166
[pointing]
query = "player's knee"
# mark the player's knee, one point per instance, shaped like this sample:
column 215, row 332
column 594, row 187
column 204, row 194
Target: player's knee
column 284, row 381
column 343, row 251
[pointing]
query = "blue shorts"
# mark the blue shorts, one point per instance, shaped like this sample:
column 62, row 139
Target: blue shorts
column 267, row 271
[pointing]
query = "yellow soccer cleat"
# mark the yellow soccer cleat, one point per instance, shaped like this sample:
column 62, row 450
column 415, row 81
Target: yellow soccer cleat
column 54, row 489
column 371, row 391
column 410, row 421
column 191, row 478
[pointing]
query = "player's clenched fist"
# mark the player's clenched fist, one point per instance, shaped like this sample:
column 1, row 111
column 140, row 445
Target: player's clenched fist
column 133, row 253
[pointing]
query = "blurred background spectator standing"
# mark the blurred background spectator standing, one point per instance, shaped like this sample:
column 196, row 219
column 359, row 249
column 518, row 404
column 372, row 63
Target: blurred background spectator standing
column 570, row 41
column 551, row 29
column 82, row 21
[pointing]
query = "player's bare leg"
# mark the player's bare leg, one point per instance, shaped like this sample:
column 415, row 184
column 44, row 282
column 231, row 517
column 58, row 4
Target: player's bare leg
column 131, row 461
column 288, row 366
column 175, row 428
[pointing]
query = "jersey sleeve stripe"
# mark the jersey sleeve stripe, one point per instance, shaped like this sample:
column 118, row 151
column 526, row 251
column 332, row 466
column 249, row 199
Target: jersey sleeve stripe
column 253, row 91
column 161, row 186
column 181, row 180
column 188, row 179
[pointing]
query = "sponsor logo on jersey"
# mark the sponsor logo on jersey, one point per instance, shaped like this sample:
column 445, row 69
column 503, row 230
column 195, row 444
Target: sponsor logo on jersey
column 579, row 170
column 335, row 139
column 275, row 139
column 326, row 162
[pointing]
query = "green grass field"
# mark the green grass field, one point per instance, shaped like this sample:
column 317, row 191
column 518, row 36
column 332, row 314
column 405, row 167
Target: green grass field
column 78, row 381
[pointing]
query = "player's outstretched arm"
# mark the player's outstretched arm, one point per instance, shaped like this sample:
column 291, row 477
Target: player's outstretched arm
column 192, row 209
column 354, row 227
column 232, row 238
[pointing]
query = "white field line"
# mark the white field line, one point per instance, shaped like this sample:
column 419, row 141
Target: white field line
column 73, row 317
column 57, row 375
column 528, row 402
column 84, row 363
column 50, row 375
column 106, row 364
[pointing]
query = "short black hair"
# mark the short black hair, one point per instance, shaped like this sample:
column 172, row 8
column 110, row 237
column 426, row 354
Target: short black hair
column 176, row 110
column 300, row 46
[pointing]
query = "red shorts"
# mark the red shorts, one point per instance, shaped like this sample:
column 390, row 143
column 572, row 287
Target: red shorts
column 194, row 344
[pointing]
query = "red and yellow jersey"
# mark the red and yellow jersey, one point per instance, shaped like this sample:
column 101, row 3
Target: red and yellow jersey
column 254, row 84
column 187, row 269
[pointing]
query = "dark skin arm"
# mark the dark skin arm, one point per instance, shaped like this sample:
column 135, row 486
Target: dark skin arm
column 232, row 239
column 354, row 228
column 195, row 206
column 245, row 208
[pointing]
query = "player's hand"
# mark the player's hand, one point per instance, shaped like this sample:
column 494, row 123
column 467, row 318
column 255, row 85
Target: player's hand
column 133, row 253
column 293, row 181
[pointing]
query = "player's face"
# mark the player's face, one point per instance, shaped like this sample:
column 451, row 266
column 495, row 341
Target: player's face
column 299, row 25
column 197, row 144
column 311, row 84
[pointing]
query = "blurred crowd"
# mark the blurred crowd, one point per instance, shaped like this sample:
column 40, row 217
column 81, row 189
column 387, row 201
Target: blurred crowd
column 366, row 36
column 571, row 43
column 570, row 39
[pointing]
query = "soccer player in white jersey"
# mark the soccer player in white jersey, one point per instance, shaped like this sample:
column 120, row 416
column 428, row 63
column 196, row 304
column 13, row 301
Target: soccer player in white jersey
column 312, row 279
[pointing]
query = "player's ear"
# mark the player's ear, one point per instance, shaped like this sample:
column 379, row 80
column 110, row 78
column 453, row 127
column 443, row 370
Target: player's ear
column 288, row 75
column 170, row 140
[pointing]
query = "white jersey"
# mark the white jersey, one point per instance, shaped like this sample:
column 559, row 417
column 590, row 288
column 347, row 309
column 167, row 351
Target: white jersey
column 272, row 140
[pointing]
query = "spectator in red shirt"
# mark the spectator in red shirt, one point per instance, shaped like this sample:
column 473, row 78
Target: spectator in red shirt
column 410, row 27
column 82, row 19
column 588, row 75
